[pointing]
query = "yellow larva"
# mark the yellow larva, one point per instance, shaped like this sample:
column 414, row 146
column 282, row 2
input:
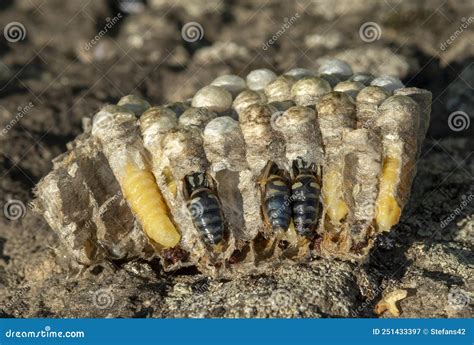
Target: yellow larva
column 388, row 211
column 332, row 195
column 145, row 199
column 170, row 182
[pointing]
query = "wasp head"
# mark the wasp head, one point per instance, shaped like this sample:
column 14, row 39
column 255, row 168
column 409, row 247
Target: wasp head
column 195, row 181
column 300, row 166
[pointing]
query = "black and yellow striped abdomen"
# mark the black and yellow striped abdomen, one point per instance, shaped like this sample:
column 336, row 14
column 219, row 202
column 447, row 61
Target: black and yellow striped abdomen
column 207, row 215
column 277, row 205
column 305, row 192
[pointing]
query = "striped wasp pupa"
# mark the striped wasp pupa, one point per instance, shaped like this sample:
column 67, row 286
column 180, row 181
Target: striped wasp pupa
column 305, row 192
column 276, row 193
column 205, row 208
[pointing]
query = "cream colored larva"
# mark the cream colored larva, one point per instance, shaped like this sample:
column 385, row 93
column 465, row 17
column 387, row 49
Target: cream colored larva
column 117, row 128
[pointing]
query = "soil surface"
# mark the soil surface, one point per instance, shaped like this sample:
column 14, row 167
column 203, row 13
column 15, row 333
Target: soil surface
column 61, row 61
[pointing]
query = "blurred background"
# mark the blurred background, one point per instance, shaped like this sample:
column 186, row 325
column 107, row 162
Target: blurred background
column 61, row 61
column 69, row 58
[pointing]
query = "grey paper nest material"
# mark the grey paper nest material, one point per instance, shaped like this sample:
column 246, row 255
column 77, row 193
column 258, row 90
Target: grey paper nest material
column 248, row 174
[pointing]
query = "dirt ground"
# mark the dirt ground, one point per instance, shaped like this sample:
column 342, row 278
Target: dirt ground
column 62, row 60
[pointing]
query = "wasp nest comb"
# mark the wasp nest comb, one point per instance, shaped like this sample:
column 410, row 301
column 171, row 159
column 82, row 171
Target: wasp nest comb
column 246, row 174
